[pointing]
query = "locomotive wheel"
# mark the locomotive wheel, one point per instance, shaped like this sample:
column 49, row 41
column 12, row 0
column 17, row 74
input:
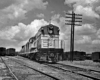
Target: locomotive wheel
column 31, row 57
column 54, row 60
column 60, row 58
column 37, row 57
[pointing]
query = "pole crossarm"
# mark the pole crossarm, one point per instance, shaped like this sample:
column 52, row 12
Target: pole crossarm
column 74, row 14
column 78, row 18
column 74, row 24
column 68, row 16
column 71, row 21
column 78, row 21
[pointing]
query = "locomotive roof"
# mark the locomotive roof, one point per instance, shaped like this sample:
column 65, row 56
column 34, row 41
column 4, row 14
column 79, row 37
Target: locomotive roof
column 32, row 37
column 48, row 26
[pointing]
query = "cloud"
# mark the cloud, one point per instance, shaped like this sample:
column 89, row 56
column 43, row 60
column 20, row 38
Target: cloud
column 21, row 31
column 40, row 15
column 18, row 9
column 8, row 33
column 21, row 7
column 85, row 7
column 55, row 19
column 6, row 3
column 85, row 29
column 82, row 2
column 84, row 39
column 13, row 12
column 86, row 11
column 96, row 41
column 36, row 4
column 98, row 9
column 98, row 33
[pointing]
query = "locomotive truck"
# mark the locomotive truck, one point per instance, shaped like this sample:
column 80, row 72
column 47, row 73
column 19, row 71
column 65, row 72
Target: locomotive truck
column 45, row 45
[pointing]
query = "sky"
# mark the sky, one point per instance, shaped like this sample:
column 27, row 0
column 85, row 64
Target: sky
column 21, row 19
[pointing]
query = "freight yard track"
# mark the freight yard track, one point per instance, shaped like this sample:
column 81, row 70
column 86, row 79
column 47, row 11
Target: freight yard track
column 67, row 70
column 55, row 73
column 92, row 74
column 40, row 72
column 79, row 68
column 54, row 78
column 11, row 72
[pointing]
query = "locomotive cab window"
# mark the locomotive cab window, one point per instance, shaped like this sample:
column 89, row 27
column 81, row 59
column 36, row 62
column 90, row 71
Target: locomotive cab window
column 58, row 31
column 42, row 31
column 30, row 40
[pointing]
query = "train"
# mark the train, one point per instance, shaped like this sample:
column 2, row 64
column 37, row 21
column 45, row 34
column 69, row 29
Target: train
column 96, row 56
column 10, row 52
column 2, row 51
column 45, row 45
column 77, row 55
column 7, row 52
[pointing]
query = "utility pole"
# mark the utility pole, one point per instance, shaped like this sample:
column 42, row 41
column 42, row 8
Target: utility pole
column 75, row 19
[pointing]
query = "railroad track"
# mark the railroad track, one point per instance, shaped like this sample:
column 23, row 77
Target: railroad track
column 9, row 69
column 80, row 68
column 60, row 75
column 42, row 73
column 80, row 71
column 68, row 68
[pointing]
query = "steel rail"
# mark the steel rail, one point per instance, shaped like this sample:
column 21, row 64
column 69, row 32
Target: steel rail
column 55, row 78
column 63, row 69
column 9, row 69
column 79, row 67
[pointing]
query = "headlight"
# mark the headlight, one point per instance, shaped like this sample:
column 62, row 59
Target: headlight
column 50, row 31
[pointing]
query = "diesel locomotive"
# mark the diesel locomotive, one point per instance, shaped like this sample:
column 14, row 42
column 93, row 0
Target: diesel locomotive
column 45, row 45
